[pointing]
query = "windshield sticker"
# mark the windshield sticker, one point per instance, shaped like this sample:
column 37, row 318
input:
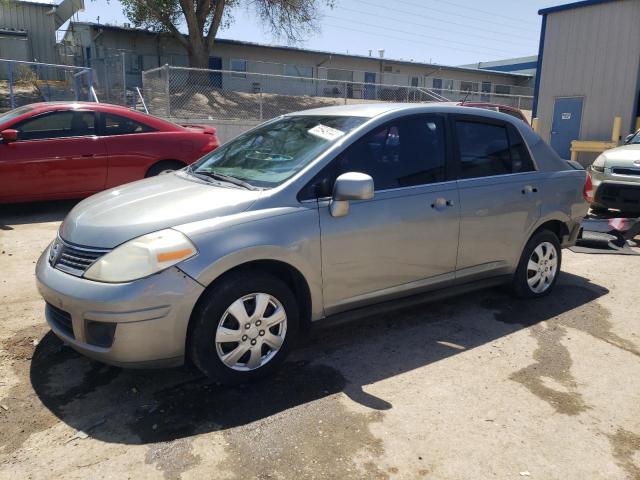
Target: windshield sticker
column 326, row 133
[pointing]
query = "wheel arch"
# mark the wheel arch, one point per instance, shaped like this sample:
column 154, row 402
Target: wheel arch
column 286, row 272
column 166, row 160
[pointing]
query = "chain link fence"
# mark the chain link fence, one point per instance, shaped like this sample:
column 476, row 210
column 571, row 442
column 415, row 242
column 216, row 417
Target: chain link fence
column 23, row 82
column 188, row 93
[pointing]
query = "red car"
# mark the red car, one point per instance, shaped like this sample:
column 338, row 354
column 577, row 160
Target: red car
column 73, row 150
column 509, row 110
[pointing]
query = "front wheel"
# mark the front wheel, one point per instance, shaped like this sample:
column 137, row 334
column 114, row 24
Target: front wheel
column 243, row 327
column 539, row 266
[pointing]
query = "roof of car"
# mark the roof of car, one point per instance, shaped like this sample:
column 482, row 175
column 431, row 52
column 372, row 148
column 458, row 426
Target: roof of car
column 371, row 110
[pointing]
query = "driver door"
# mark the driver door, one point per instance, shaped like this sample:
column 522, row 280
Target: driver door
column 57, row 154
column 405, row 239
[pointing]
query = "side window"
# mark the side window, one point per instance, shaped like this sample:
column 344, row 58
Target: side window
column 409, row 152
column 484, row 149
column 57, row 125
column 520, row 158
column 117, row 125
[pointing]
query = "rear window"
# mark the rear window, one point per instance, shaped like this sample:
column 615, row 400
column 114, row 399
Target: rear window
column 117, row 125
column 488, row 149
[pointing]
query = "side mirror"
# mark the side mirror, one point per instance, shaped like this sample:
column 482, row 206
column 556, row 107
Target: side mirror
column 9, row 135
column 629, row 137
column 350, row 186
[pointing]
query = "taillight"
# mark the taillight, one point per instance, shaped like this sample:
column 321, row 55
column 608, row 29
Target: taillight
column 587, row 191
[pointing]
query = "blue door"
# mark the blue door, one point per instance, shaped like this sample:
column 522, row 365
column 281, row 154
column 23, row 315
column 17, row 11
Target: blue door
column 215, row 78
column 567, row 115
column 369, row 90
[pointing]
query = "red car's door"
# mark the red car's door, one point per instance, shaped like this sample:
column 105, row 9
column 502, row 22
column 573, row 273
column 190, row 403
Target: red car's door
column 57, row 155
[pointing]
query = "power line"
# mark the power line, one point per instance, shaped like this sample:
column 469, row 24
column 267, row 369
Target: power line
column 430, row 37
column 456, row 14
column 493, row 14
column 430, row 45
column 407, row 22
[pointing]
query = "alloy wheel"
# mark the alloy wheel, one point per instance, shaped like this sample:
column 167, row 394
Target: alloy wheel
column 542, row 267
column 251, row 332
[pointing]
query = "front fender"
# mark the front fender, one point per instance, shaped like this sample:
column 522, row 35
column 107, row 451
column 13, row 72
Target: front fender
column 290, row 236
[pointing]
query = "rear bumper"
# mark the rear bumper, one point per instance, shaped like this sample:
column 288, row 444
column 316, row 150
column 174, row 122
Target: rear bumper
column 136, row 324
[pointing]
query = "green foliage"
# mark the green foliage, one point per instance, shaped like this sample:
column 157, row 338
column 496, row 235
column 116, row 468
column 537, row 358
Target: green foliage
column 291, row 20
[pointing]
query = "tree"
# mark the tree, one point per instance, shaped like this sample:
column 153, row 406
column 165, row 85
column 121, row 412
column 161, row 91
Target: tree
column 291, row 19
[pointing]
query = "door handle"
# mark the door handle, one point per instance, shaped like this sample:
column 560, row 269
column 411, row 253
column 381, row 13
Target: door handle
column 528, row 190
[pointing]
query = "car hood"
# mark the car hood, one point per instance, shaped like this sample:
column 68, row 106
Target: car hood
column 114, row 216
column 623, row 156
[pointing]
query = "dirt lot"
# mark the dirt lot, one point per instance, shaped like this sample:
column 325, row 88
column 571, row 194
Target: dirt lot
column 470, row 388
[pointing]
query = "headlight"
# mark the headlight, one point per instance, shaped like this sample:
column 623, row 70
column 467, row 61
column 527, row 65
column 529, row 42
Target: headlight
column 141, row 257
column 598, row 165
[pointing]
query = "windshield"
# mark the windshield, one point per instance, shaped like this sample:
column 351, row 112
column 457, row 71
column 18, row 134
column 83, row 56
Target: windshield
column 268, row 155
column 635, row 139
column 15, row 113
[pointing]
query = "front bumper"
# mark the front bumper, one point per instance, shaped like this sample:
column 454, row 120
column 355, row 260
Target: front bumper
column 616, row 191
column 136, row 324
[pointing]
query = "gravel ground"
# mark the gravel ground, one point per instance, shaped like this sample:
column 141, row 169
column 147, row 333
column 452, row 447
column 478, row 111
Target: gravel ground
column 482, row 386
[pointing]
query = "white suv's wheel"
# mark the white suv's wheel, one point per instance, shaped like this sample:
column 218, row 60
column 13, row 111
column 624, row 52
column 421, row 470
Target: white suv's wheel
column 243, row 327
column 539, row 266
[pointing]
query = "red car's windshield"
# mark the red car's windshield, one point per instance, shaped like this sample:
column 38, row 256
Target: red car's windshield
column 15, row 113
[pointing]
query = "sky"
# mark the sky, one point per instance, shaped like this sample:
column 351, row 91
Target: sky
column 447, row 32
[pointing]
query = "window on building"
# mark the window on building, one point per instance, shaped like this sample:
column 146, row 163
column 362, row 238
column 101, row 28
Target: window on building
column 117, row 125
column 448, row 85
column 485, row 150
column 340, row 75
column 468, row 86
column 57, row 125
column 503, row 90
column 401, row 154
column 298, row 71
column 239, row 68
column 437, row 85
column 136, row 63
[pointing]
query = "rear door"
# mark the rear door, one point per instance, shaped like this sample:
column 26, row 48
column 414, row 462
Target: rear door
column 57, row 154
column 500, row 195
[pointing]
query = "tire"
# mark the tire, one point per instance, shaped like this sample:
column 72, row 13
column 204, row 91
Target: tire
column 164, row 166
column 547, row 243
column 214, row 320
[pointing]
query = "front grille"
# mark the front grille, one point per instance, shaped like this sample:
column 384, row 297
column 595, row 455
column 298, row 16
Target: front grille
column 73, row 259
column 625, row 171
column 60, row 319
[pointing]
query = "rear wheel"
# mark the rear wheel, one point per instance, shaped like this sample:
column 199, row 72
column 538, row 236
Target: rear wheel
column 539, row 266
column 243, row 327
column 166, row 166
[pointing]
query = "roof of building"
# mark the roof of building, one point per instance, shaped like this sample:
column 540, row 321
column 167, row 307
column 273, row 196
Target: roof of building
column 571, row 6
column 298, row 49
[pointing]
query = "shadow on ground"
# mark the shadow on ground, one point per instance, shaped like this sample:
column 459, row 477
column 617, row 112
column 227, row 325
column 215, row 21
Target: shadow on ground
column 136, row 407
column 34, row 212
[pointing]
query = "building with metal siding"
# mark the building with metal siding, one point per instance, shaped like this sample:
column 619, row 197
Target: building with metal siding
column 526, row 65
column 588, row 71
column 32, row 27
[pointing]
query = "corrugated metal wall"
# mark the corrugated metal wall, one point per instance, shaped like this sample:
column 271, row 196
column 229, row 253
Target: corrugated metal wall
column 593, row 52
column 39, row 25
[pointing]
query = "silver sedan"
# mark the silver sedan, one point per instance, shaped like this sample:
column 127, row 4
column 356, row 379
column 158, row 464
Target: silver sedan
column 325, row 213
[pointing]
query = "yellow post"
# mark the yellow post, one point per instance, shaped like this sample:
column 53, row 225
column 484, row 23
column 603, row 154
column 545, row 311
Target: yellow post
column 574, row 152
column 617, row 129
column 534, row 124
column 637, row 124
